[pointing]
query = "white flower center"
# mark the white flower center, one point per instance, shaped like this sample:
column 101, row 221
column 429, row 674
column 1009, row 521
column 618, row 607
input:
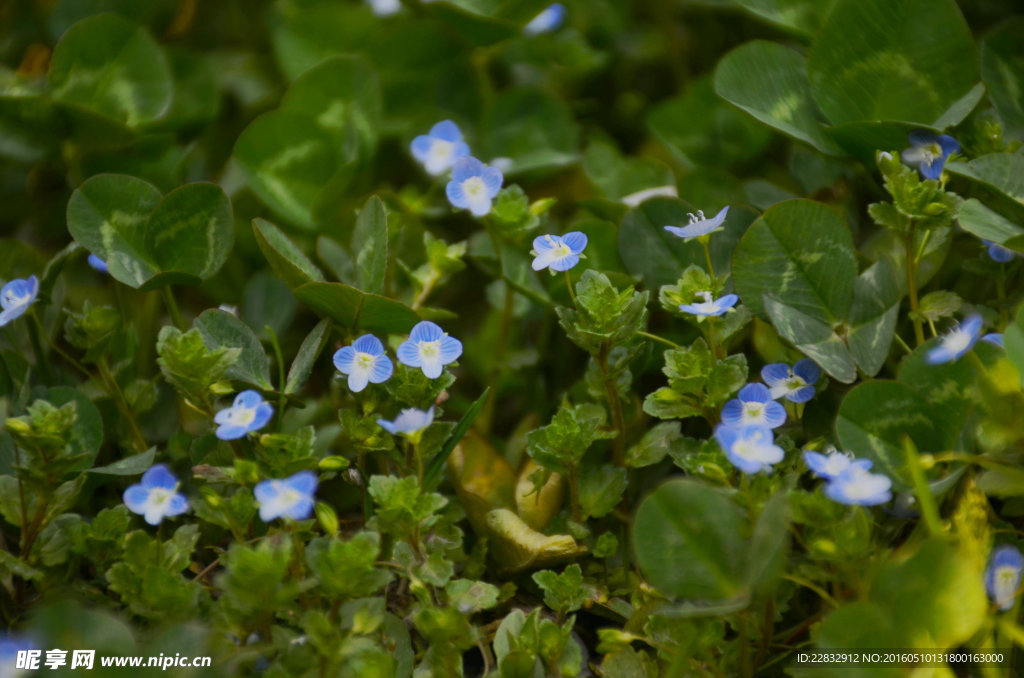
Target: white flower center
column 364, row 360
column 795, row 383
column 834, row 463
column 1005, row 583
column 159, row 495
column 930, row 152
column 957, row 341
column 753, row 411
column 474, row 187
column 290, row 497
column 243, row 416
column 430, row 349
column 11, row 299
column 441, row 150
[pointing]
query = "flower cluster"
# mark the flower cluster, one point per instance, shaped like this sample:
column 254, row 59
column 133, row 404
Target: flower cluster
column 849, row 480
column 429, row 347
column 473, row 185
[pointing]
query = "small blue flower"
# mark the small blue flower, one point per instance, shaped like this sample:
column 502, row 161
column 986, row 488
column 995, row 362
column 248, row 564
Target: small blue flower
column 558, row 252
column 429, row 348
column 751, row 448
column 956, row 342
column 829, row 467
column 439, row 149
column 16, row 296
column 855, row 486
column 998, row 253
column 290, row 497
column 700, row 225
column 710, row 307
column 410, row 422
column 796, row 383
column 1002, row 576
column 547, row 21
column 929, row 152
column 994, row 338
column 10, row 645
column 156, row 496
column 474, row 185
column 754, row 405
column 364, row 362
column 98, row 264
column 248, row 413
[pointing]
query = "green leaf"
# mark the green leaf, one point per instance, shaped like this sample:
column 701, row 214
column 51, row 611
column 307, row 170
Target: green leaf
column 112, row 66
column 220, row 329
column 658, row 257
column 188, row 365
column 309, row 351
column 880, row 60
column 370, row 246
column 801, row 253
column 353, row 308
column 346, row 568
column 769, row 81
column 874, row 417
column 816, row 339
column 86, row 435
column 979, row 220
column 286, row 159
column 876, row 305
column 564, row 592
column 287, row 260
column 654, row 446
column 601, row 489
column 1013, row 338
column 532, row 128
column 436, row 463
column 1002, row 172
column 191, row 231
column 800, row 16
column 686, row 537
column 129, row 466
column 1002, row 69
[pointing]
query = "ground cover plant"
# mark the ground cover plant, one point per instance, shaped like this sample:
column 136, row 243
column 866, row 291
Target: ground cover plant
column 512, row 339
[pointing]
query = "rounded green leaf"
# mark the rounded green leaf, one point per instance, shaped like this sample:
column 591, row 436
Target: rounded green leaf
column 801, row 253
column 286, row 159
column 686, row 537
column 882, row 60
column 1003, row 172
column 109, row 215
column 1002, row 69
column 874, row 417
column 530, row 127
column 192, row 230
column 111, row 65
column 800, row 16
column 769, row 82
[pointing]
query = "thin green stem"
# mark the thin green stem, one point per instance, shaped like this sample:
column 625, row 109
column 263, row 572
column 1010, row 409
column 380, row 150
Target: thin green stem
column 568, row 283
column 912, row 286
column 807, row 584
column 705, row 241
column 655, row 337
column 122, row 404
column 172, row 307
column 615, row 405
column 713, row 338
column 903, row 344
column 925, row 498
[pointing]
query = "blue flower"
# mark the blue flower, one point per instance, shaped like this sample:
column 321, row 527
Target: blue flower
column 16, row 296
column 928, row 152
column 700, row 225
column 364, row 361
column 558, row 253
column 749, row 448
column 474, row 185
column 1002, row 576
column 98, row 264
column 710, row 307
column 754, row 405
column 994, row 338
column 548, row 20
column 410, row 422
column 956, row 342
column 796, row 383
column 998, row 253
column 156, row 496
column 291, row 497
column 439, row 149
column 430, row 348
column 248, row 413
column 855, row 486
column 829, row 467
column 10, row 645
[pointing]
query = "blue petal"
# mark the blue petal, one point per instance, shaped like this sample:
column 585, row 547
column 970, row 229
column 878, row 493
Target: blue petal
column 931, row 170
column 459, row 150
column 357, row 380
column 972, row 325
column 159, row 476
column 755, row 393
column 388, row 426
column 368, row 344
column 265, row 491
column 676, row 230
column 994, row 338
column 303, row 481
column 456, row 196
column 446, row 130
column 807, row 370
column 98, row 263
column 344, row 357
column 135, row 498
column 565, row 263
column 732, row 413
column 1000, row 254
column 248, row 399
column 465, row 168
column 300, row 510
column 922, row 138
column 716, row 221
column 863, row 464
column 576, row 240
column 938, row 355
column 948, row 144
column 774, row 414
column 726, row 436
column 801, row 395
column 543, row 243
column 816, row 462
column 382, row 370
column 774, row 373
column 409, row 353
column 420, row 147
column 432, row 369
column 177, row 505
column 492, row 179
column 451, row 349
column 425, row 331
column 263, row 414
column 231, row 432
column 727, row 302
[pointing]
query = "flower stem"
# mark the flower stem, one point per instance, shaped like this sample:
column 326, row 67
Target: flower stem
column 655, row 337
column 172, row 307
column 925, row 498
column 705, row 243
column 122, row 404
column 568, row 283
column 713, row 339
column 912, row 286
column 615, row 405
